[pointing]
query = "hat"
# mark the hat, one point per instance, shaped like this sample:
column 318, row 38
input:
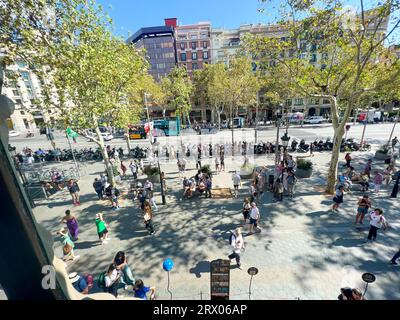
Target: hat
column 73, row 277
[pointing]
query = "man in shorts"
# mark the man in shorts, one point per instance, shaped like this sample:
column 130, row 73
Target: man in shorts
column 236, row 179
column 254, row 218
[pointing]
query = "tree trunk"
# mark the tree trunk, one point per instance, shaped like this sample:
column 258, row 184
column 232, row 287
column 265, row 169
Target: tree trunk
column 188, row 119
column 333, row 167
column 100, row 142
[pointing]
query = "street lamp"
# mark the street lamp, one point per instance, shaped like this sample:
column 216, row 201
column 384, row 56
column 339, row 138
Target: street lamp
column 278, row 123
column 252, row 272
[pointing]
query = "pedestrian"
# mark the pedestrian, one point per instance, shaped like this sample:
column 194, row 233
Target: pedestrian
column 237, row 181
column 79, row 283
column 364, row 182
column 198, row 163
column 291, row 181
column 115, row 194
column 208, row 183
column 148, row 217
column 121, row 264
column 237, row 243
column 378, row 179
column 73, row 189
column 291, row 164
column 395, row 257
column 104, row 181
column 163, row 181
column 278, row 190
column 377, row 221
column 260, row 185
column 312, row 148
column 368, row 168
column 98, row 187
column 394, row 142
column 364, row 204
column 222, row 162
column 217, row 162
column 253, row 192
column 67, row 246
column 141, row 291
column 123, row 168
column 254, row 218
column 350, row 294
column 134, row 169
column 246, row 210
column 338, row 198
column 387, row 175
column 348, row 159
column 72, row 224
column 284, row 180
column 112, row 278
column 102, row 230
column 395, row 189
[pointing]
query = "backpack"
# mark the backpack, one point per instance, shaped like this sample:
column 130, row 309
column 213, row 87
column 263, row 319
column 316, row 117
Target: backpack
column 101, row 281
column 232, row 237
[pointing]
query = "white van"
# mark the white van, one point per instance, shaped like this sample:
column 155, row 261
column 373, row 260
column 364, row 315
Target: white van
column 314, row 120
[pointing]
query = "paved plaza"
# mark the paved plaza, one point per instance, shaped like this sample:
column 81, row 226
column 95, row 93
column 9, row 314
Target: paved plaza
column 303, row 252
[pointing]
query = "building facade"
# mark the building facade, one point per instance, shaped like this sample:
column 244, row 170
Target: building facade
column 24, row 88
column 159, row 43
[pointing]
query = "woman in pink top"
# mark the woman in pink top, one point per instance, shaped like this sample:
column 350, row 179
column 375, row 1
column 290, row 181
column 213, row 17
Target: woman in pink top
column 378, row 179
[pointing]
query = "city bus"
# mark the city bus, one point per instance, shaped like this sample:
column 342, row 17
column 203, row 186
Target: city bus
column 170, row 126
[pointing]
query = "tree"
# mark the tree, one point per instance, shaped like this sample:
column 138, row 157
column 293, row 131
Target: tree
column 351, row 50
column 178, row 87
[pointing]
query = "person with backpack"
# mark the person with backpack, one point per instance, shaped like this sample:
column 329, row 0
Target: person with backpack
column 291, row 181
column 377, row 221
column 237, row 243
column 102, row 230
column 109, row 281
column 141, row 291
column 121, row 263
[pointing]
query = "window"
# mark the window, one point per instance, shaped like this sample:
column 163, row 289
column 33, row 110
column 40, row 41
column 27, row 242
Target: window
column 183, row 46
column 193, row 45
column 324, row 56
column 313, row 58
column 160, row 65
column 313, row 47
column 314, row 101
column 205, row 44
column 183, row 56
column 220, row 53
column 205, row 54
column 22, row 112
column 194, row 66
column 289, row 102
column 18, row 101
column 193, row 36
column 326, row 101
column 298, row 102
column 323, row 67
column 194, row 55
column 16, row 92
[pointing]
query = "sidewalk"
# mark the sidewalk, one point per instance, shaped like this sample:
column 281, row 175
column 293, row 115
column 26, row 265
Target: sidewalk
column 304, row 251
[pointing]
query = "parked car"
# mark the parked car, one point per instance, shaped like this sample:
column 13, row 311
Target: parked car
column 13, row 133
column 107, row 136
column 314, row 120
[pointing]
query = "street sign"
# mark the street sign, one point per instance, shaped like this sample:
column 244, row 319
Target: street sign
column 220, row 278
column 368, row 277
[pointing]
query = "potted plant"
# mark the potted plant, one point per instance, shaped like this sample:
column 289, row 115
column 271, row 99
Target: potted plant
column 207, row 170
column 304, row 168
column 152, row 173
column 247, row 169
column 382, row 153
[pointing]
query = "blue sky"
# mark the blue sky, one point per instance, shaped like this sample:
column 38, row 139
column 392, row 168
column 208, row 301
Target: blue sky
column 131, row 15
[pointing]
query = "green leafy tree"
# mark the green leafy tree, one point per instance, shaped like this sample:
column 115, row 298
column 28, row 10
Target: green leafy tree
column 350, row 49
column 178, row 88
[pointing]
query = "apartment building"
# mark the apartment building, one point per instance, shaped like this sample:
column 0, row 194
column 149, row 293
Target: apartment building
column 24, row 89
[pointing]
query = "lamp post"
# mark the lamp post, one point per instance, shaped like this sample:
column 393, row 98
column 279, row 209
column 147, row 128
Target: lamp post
column 278, row 123
column 252, row 272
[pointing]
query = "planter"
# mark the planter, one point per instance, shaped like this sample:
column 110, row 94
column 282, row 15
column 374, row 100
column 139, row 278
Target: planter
column 381, row 156
column 303, row 173
column 247, row 173
column 155, row 178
